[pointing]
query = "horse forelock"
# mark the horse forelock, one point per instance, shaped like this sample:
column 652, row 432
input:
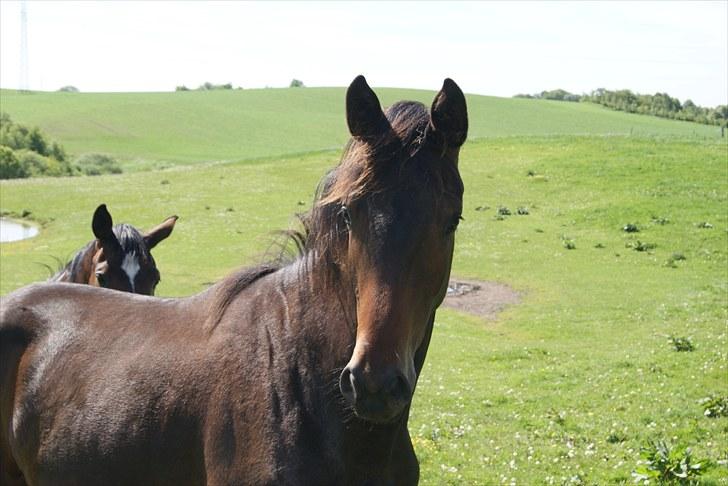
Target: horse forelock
column 132, row 241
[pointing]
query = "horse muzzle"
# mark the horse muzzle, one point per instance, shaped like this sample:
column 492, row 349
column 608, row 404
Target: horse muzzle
column 375, row 398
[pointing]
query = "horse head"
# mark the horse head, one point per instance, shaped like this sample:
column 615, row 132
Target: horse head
column 399, row 197
column 122, row 259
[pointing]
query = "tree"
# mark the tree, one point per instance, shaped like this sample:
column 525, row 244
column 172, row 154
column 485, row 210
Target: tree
column 297, row 83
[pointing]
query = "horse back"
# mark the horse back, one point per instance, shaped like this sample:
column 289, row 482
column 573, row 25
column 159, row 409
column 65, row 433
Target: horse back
column 83, row 396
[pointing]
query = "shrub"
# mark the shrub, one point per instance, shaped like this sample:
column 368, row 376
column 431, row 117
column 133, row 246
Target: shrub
column 714, row 407
column 98, row 164
column 668, row 465
column 10, row 166
column 69, row 89
column 297, row 83
column 40, row 165
column 681, row 344
column 640, row 246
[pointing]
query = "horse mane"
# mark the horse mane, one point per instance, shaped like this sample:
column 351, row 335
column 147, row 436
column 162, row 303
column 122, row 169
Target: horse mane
column 322, row 232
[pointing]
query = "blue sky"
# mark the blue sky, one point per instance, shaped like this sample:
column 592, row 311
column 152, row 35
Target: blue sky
column 492, row 48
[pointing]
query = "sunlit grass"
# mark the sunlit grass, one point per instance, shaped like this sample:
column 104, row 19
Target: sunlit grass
column 563, row 388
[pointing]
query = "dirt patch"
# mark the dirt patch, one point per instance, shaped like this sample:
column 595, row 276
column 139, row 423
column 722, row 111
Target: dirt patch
column 483, row 299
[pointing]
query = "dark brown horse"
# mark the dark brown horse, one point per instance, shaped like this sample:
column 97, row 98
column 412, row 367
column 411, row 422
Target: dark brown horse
column 298, row 373
column 119, row 258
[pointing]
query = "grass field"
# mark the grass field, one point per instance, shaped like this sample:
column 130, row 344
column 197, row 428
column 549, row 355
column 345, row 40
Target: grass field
column 153, row 130
column 563, row 388
column 539, row 393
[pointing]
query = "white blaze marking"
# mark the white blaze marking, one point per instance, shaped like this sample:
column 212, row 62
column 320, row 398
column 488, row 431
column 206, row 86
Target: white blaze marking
column 130, row 265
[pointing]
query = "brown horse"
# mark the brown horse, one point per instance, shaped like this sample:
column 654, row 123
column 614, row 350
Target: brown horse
column 297, row 373
column 119, row 258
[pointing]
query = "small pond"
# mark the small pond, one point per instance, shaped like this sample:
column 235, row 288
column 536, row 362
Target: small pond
column 15, row 231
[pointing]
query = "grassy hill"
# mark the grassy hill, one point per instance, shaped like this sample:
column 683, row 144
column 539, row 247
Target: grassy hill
column 564, row 387
column 567, row 384
column 152, row 130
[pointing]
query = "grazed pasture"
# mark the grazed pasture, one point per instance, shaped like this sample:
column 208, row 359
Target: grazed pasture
column 562, row 388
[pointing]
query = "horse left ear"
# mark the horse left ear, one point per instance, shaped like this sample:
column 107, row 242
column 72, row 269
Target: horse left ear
column 363, row 112
column 160, row 232
column 449, row 115
column 102, row 224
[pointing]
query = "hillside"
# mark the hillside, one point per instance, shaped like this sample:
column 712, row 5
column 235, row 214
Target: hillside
column 150, row 130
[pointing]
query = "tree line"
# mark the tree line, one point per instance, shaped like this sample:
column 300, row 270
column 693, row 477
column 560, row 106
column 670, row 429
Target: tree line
column 659, row 104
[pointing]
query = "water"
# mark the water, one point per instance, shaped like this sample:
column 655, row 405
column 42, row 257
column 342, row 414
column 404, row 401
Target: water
column 14, row 231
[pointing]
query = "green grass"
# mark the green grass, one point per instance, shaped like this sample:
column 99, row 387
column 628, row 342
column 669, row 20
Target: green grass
column 154, row 130
column 564, row 387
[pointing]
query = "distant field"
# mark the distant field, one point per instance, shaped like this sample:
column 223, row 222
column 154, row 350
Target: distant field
column 564, row 387
column 153, row 130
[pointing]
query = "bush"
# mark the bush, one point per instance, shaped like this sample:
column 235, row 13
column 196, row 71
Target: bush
column 69, row 89
column 98, row 164
column 40, row 165
column 297, row 83
column 10, row 166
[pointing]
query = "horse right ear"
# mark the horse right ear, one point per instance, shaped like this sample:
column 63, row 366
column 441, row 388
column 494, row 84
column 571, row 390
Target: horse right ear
column 363, row 112
column 449, row 115
column 102, row 224
column 160, row 232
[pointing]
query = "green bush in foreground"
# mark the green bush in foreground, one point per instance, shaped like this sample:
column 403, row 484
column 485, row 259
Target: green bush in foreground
column 668, row 465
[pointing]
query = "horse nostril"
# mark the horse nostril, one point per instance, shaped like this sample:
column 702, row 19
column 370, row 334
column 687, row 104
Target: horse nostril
column 398, row 388
column 346, row 385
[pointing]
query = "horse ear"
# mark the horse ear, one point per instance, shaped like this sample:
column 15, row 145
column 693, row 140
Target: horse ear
column 160, row 232
column 363, row 112
column 449, row 115
column 102, row 224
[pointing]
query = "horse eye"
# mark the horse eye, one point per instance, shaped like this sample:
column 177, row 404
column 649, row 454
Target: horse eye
column 454, row 224
column 101, row 279
column 344, row 213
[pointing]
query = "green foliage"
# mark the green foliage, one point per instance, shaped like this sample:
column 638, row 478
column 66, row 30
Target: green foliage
column 98, row 164
column 555, row 94
column 667, row 464
column 503, row 211
column 39, row 165
column 296, row 83
column 568, row 243
column 659, row 104
column 681, row 343
column 32, row 153
column 640, row 245
column 69, row 89
column 714, row 407
column 207, row 86
column 10, row 166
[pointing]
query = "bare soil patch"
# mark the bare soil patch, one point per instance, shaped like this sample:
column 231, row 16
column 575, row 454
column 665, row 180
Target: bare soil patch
column 483, row 299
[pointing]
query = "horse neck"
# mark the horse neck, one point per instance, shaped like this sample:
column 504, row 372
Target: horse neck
column 327, row 306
